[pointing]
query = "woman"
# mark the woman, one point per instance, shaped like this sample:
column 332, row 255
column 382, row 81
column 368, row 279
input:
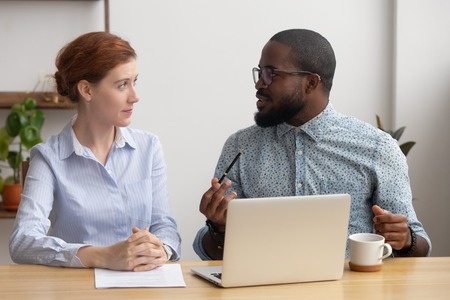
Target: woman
column 96, row 194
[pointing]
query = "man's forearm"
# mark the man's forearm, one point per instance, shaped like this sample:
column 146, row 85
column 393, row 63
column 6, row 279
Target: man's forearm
column 211, row 247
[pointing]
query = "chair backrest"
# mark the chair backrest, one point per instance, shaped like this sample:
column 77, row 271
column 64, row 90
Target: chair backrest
column 25, row 165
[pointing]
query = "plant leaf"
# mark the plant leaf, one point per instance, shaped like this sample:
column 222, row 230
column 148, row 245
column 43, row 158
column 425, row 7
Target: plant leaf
column 5, row 141
column 406, row 147
column 29, row 103
column 37, row 119
column 379, row 124
column 14, row 159
column 4, row 146
column 17, row 107
column 398, row 133
column 14, row 123
column 30, row 136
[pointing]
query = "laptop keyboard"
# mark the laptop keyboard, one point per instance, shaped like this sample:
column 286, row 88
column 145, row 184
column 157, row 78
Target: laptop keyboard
column 218, row 275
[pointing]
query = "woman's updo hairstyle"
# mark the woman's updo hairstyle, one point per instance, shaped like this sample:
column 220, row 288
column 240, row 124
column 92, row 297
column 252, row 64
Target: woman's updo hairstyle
column 89, row 57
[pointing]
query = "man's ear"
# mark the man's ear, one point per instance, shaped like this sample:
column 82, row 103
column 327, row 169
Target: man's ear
column 85, row 90
column 312, row 83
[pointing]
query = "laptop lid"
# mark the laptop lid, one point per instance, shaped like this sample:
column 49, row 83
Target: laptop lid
column 284, row 240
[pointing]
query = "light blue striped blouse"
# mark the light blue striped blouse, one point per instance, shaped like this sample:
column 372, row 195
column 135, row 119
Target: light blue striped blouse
column 71, row 200
column 330, row 154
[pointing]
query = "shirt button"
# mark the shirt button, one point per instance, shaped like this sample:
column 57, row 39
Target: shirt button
column 300, row 152
column 299, row 185
column 109, row 171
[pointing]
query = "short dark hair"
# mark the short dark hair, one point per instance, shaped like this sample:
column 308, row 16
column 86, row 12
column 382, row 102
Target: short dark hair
column 310, row 51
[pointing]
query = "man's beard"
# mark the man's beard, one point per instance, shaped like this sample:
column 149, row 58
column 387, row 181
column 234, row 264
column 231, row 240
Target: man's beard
column 290, row 106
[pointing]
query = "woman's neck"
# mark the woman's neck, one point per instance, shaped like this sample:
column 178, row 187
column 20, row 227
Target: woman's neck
column 97, row 138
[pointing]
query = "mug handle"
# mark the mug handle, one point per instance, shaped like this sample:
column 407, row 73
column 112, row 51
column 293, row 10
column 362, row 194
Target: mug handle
column 387, row 250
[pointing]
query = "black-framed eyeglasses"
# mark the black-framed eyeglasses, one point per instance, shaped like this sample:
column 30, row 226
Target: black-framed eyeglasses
column 267, row 74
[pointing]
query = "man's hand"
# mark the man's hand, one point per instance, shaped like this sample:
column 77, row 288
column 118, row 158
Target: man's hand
column 394, row 228
column 214, row 204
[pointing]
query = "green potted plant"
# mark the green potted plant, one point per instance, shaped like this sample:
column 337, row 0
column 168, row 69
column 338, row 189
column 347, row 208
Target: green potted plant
column 22, row 131
column 396, row 134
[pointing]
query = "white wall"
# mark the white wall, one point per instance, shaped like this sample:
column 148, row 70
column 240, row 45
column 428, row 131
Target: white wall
column 32, row 32
column 195, row 84
column 422, row 102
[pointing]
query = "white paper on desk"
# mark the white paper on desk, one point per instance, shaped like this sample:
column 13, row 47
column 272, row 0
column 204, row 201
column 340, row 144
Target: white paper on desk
column 168, row 275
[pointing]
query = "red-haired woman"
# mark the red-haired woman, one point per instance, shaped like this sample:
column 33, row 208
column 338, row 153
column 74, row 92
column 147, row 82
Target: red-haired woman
column 96, row 193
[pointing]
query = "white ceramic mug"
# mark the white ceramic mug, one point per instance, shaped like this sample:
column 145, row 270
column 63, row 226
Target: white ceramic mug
column 368, row 249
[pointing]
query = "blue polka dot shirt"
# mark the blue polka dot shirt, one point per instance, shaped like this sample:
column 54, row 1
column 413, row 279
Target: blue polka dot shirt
column 330, row 154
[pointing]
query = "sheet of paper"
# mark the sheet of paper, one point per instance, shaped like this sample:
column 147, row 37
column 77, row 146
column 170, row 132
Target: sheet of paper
column 168, row 275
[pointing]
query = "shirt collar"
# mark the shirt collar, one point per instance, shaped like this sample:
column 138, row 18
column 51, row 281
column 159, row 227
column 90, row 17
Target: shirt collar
column 315, row 127
column 69, row 143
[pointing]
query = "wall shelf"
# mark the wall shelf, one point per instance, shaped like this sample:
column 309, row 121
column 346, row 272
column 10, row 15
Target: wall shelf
column 6, row 214
column 8, row 99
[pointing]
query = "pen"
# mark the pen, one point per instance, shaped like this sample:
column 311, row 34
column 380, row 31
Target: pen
column 230, row 166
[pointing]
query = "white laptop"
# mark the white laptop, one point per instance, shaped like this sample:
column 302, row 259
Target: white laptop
column 282, row 240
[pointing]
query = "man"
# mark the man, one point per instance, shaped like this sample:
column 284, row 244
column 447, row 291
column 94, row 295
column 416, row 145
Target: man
column 301, row 146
